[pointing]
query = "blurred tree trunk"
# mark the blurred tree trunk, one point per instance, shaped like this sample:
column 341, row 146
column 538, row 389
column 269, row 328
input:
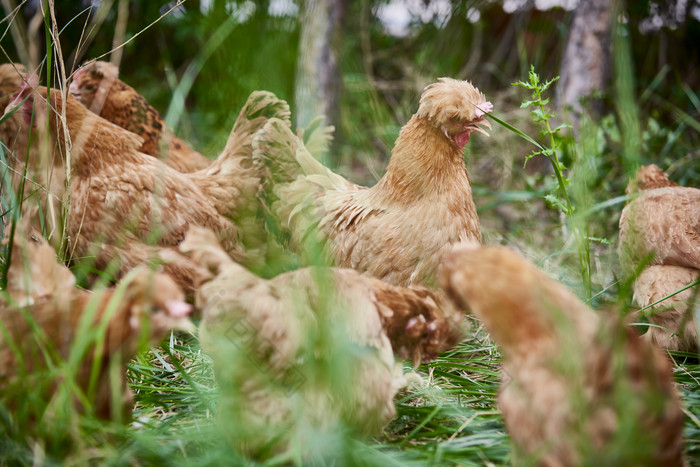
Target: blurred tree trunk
column 318, row 81
column 585, row 67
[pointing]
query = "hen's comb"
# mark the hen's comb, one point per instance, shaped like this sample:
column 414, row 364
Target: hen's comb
column 29, row 82
column 484, row 108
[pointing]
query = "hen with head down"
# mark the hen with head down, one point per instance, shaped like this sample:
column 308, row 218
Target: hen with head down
column 42, row 308
column 309, row 350
column 577, row 387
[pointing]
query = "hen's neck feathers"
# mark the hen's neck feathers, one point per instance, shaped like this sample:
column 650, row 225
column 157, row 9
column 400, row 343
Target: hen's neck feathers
column 95, row 142
column 424, row 165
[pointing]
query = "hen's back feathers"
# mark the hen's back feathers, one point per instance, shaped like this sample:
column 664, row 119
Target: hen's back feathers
column 577, row 388
column 674, row 318
column 663, row 221
column 98, row 87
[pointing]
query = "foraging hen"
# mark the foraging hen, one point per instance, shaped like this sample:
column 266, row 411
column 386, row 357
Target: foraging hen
column 42, row 309
column 97, row 86
column 278, row 344
column 660, row 229
column 577, row 388
column 399, row 229
column 127, row 206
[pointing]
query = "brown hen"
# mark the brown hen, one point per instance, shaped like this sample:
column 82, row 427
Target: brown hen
column 576, row 388
column 127, row 206
column 661, row 222
column 399, row 229
column 98, row 87
column 660, row 230
column 43, row 309
column 274, row 342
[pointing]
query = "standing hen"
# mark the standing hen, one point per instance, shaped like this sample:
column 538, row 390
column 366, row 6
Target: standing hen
column 310, row 350
column 128, row 206
column 399, row 229
column 98, row 87
column 577, row 389
column 660, row 229
column 49, row 323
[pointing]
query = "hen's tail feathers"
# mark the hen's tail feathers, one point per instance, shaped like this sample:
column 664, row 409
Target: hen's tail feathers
column 419, row 322
column 200, row 244
column 286, row 156
column 316, row 137
column 233, row 180
column 260, row 107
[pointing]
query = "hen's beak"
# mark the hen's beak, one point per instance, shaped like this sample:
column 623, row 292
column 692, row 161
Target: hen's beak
column 475, row 126
column 74, row 89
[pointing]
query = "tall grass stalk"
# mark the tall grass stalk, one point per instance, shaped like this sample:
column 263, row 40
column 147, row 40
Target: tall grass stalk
column 552, row 150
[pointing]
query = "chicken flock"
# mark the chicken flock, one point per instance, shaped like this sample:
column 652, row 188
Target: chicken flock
column 181, row 233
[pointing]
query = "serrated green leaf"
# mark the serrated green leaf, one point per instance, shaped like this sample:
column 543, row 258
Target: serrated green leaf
column 523, row 84
column 555, row 202
column 604, row 241
column 527, row 104
column 530, row 156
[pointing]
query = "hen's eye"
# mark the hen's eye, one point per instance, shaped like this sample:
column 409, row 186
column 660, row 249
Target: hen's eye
column 456, row 120
column 89, row 87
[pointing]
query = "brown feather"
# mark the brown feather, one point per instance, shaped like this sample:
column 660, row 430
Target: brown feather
column 399, row 229
column 98, row 87
column 45, row 291
column 576, row 388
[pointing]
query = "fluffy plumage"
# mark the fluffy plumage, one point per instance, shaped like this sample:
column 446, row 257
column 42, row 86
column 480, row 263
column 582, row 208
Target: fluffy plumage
column 662, row 221
column 577, row 388
column 98, row 87
column 675, row 316
column 127, row 206
column 660, row 227
column 278, row 346
column 398, row 229
column 41, row 292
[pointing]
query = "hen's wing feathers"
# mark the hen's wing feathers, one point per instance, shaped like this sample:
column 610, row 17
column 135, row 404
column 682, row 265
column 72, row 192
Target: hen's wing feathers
column 305, row 197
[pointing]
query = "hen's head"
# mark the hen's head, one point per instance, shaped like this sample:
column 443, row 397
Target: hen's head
column 11, row 78
column 157, row 304
column 649, row 177
column 92, row 80
column 456, row 107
